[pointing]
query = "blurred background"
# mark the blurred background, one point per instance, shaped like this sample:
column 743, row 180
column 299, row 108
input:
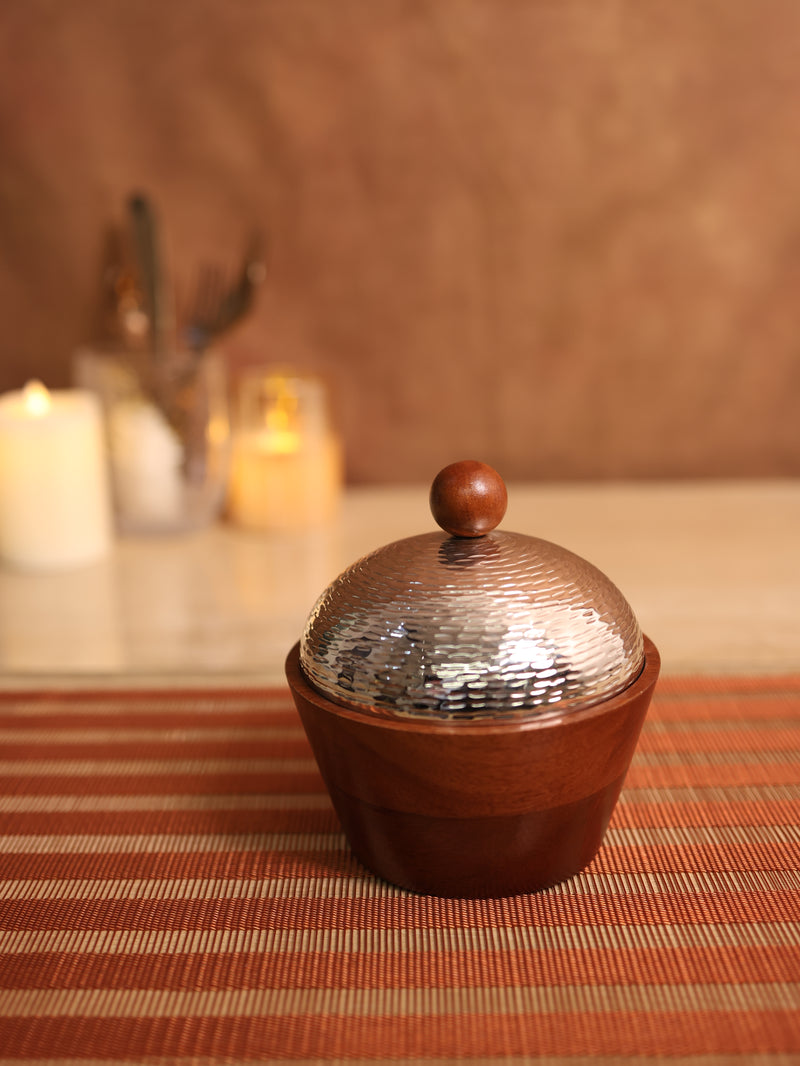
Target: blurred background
column 563, row 238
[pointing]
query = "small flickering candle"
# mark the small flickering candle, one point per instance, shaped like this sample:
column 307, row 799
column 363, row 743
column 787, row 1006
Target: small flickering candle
column 286, row 471
column 55, row 508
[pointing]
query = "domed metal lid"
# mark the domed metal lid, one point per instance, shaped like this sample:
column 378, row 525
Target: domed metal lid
column 473, row 623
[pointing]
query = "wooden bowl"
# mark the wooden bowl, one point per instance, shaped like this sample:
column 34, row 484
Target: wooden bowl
column 475, row 809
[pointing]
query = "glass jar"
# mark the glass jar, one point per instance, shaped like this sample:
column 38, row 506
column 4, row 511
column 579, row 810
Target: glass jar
column 286, row 470
column 167, row 434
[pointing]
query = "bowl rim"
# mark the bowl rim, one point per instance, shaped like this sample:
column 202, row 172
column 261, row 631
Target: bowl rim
column 379, row 718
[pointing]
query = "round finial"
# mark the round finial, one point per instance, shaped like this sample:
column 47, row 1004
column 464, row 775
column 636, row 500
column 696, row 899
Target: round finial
column 468, row 498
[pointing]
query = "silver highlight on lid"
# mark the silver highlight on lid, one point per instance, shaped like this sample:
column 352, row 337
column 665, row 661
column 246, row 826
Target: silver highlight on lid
column 499, row 626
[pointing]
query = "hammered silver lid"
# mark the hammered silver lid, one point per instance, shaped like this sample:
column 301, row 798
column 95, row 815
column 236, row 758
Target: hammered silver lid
column 476, row 626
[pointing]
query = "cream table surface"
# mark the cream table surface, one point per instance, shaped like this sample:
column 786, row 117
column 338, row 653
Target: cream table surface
column 711, row 568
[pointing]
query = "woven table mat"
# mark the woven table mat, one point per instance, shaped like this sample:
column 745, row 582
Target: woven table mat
column 174, row 888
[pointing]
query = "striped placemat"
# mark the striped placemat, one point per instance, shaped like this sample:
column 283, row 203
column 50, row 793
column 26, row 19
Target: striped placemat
column 174, row 888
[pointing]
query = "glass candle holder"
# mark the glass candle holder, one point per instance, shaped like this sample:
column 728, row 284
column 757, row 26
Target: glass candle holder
column 167, row 431
column 286, row 469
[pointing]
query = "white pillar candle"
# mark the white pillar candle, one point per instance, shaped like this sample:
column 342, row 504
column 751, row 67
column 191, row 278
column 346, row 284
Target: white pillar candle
column 54, row 500
column 146, row 459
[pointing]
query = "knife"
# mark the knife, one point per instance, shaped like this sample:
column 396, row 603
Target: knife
column 150, row 268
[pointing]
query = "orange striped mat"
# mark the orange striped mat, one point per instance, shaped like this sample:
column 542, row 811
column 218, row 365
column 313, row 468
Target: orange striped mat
column 174, row 888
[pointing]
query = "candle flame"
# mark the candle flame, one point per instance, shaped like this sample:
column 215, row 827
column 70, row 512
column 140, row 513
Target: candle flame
column 36, row 399
column 281, row 420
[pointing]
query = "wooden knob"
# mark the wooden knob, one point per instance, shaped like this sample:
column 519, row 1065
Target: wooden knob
column 468, row 498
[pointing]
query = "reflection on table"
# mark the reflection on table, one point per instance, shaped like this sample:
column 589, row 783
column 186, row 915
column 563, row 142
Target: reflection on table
column 711, row 569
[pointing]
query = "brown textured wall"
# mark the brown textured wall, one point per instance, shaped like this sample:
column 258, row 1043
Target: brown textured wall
column 560, row 237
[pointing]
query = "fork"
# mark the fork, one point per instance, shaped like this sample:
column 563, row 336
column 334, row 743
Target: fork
column 219, row 306
column 210, row 297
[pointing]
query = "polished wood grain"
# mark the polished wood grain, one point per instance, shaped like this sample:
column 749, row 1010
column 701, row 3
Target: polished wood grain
column 476, row 809
column 468, row 498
